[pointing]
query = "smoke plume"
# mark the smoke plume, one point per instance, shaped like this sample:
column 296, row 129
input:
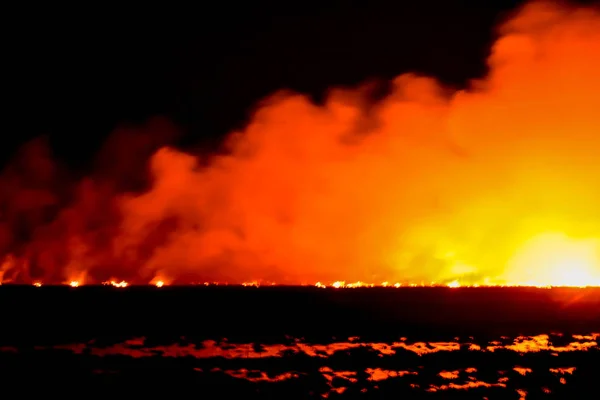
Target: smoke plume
column 425, row 185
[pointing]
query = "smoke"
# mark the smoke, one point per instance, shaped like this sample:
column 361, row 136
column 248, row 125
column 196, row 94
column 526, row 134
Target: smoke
column 425, row 184
column 56, row 227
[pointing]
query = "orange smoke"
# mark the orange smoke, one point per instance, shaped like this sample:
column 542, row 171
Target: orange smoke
column 425, row 185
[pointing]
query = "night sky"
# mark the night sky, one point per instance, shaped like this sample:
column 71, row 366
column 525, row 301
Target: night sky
column 77, row 74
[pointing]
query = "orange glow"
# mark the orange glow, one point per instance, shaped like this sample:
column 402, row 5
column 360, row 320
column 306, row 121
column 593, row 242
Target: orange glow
column 522, row 371
column 115, row 283
column 557, row 260
column 497, row 184
column 454, row 284
column 160, row 281
column 437, row 189
column 354, row 285
column 252, row 363
column 449, row 374
column 210, row 348
column 121, row 284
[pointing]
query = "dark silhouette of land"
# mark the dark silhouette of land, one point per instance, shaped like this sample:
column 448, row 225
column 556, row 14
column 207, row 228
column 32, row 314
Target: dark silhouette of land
column 37, row 321
column 65, row 313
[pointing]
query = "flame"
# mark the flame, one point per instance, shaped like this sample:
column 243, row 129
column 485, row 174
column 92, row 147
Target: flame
column 555, row 259
column 121, row 284
column 160, row 281
column 495, row 184
column 454, row 284
column 356, row 285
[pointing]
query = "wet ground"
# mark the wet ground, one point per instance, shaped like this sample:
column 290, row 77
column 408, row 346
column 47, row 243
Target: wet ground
column 299, row 343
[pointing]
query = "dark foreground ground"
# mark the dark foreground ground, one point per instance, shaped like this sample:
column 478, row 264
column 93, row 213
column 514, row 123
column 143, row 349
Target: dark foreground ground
column 297, row 343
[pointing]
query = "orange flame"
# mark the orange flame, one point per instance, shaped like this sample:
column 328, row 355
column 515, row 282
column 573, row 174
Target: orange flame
column 496, row 184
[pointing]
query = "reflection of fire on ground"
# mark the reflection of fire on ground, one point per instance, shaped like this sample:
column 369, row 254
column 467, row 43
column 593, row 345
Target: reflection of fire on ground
column 211, row 348
column 368, row 379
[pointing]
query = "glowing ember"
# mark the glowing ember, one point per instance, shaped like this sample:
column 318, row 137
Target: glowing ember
column 159, row 284
column 74, row 283
column 37, row 284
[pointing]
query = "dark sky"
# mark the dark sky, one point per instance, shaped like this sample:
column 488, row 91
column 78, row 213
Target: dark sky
column 76, row 74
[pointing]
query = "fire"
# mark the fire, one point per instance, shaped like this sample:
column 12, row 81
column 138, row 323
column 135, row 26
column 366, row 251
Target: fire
column 495, row 184
column 454, row 284
column 343, row 284
column 574, row 282
column 160, row 281
column 557, row 260
column 118, row 284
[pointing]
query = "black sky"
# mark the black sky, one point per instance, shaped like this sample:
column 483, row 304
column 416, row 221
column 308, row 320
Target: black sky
column 76, row 74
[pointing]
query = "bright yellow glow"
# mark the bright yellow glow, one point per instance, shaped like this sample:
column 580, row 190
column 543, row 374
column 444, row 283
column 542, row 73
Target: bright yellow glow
column 556, row 260
column 454, row 284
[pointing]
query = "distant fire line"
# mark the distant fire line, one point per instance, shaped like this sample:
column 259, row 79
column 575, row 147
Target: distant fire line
column 333, row 285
